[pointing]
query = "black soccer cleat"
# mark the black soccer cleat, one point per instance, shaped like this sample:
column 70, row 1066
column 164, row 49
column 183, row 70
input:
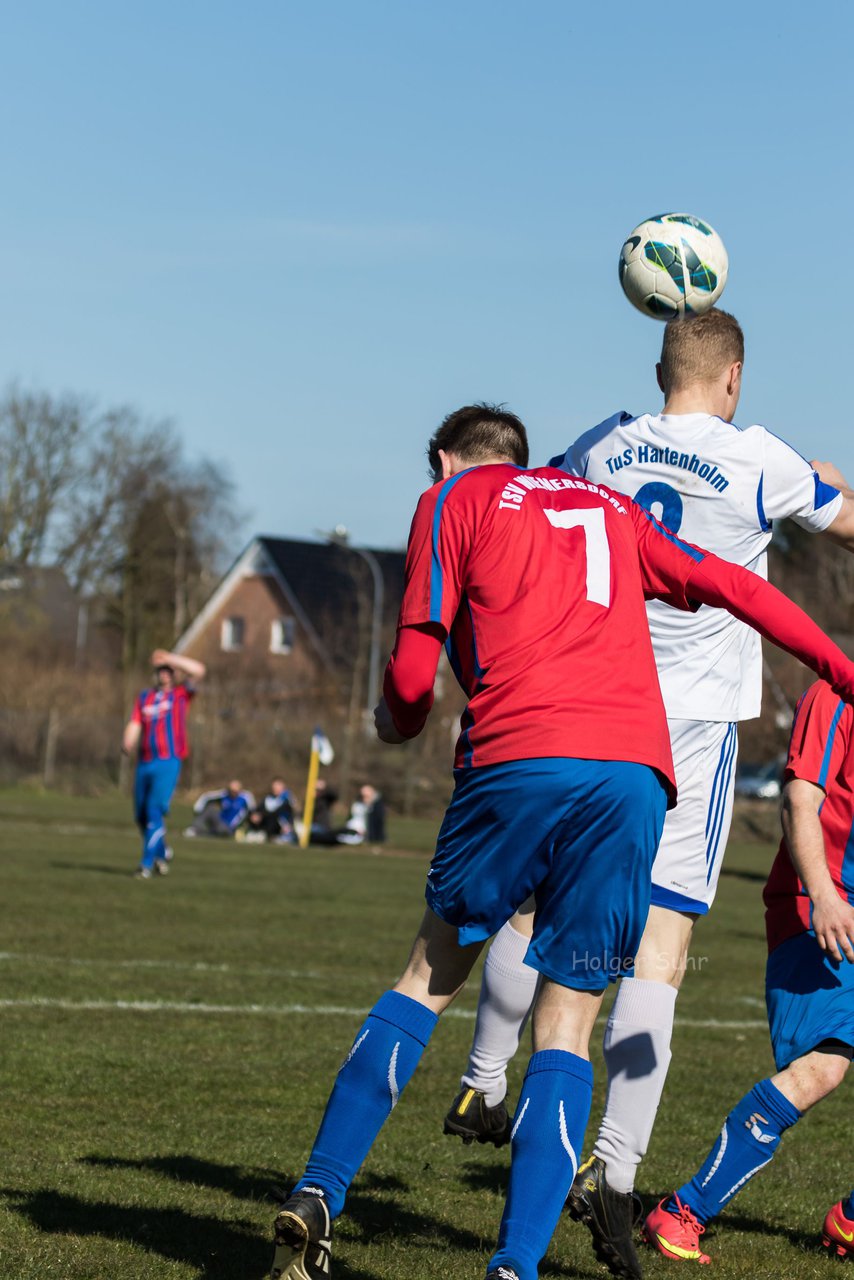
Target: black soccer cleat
column 472, row 1120
column 502, row 1273
column 609, row 1216
column 302, row 1236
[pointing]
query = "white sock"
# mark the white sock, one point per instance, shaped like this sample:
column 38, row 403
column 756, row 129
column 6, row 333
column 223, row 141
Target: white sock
column 507, row 992
column 637, row 1055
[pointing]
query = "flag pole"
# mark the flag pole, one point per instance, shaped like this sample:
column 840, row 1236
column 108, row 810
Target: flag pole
column 311, row 783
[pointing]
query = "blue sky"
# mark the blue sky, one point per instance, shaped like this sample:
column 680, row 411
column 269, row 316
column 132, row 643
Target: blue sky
column 305, row 232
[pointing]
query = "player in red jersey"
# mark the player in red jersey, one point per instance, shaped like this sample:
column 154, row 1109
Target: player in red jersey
column 809, row 981
column 157, row 730
column 537, row 581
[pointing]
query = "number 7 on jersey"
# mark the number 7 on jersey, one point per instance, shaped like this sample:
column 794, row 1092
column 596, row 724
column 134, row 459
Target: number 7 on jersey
column 592, row 521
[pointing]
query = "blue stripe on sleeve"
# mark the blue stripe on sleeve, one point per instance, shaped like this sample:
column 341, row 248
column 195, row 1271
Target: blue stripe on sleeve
column 436, row 572
column 824, row 493
column 764, row 522
column 828, row 750
column 671, row 537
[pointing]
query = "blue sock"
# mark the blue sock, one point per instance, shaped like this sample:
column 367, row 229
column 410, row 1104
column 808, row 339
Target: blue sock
column 848, row 1207
column 385, row 1053
column 750, row 1135
column 548, row 1136
column 153, row 842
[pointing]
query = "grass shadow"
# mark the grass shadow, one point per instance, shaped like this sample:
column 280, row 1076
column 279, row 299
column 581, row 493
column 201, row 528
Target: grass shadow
column 97, row 868
column 374, row 1206
column 218, row 1250
column 810, row 1241
column 255, row 1184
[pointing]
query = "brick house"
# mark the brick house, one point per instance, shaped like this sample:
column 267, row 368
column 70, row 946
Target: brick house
column 295, row 616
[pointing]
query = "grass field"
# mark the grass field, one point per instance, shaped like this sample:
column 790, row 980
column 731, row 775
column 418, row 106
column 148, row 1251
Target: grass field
column 168, row 1046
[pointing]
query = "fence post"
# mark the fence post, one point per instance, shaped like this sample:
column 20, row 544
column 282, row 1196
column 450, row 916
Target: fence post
column 51, row 739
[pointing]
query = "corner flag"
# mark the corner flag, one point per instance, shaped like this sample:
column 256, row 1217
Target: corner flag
column 321, row 753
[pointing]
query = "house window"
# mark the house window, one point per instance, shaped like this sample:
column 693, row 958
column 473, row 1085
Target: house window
column 282, row 635
column 231, row 636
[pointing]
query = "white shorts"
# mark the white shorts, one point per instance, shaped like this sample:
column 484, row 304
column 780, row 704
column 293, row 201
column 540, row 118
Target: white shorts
column 688, row 862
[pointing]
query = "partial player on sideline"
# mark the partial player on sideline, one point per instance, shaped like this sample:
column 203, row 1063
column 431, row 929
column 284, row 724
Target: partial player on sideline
column 721, row 487
column 563, row 773
column 809, row 983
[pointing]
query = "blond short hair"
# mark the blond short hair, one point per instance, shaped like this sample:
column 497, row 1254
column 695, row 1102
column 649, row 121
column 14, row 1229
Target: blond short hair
column 699, row 348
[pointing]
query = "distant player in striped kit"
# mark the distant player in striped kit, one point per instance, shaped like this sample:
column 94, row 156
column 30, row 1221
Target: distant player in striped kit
column 809, row 983
column 157, row 730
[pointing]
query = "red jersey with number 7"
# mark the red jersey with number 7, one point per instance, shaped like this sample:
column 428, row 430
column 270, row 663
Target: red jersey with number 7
column 539, row 581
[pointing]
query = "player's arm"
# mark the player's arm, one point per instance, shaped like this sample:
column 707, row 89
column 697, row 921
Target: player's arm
column 206, row 797
column 829, row 473
column 131, row 735
column 408, row 684
column 438, row 544
column 832, row 917
column 753, row 600
column 841, row 528
column 189, row 667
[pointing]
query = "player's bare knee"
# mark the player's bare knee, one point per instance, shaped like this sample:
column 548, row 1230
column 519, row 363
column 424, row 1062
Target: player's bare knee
column 814, row 1076
column 564, row 1018
column 438, row 965
column 663, row 952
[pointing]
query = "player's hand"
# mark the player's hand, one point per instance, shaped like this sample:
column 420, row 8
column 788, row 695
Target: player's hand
column 385, row 726
column 833, row 922
column 828, row 473
column 161, row 658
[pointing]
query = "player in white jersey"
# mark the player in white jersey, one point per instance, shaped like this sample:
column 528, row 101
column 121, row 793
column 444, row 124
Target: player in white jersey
column 721, row 487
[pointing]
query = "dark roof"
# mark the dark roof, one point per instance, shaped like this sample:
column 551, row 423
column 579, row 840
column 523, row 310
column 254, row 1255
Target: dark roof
column 326, row 576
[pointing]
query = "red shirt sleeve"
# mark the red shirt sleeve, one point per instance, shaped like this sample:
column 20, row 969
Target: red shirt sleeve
column 748, row 597
column 435, row 559
column 136, row 714
column 820, row 735
column 410, row 675
column 666, row 561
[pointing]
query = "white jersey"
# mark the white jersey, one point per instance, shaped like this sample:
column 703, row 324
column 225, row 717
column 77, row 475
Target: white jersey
column 719, row 486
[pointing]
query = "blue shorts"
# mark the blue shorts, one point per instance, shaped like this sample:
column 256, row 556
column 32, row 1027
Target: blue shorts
column 154, row 784
column 809, row 998
column 580, row 834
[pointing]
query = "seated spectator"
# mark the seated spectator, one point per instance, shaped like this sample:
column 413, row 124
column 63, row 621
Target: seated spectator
column 220, row 813
column 325, row 798
column 367, row 819
column 374, row 814
column 273, row 819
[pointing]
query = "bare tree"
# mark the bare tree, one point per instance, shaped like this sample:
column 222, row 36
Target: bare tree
column 110, row 499
column 39, row 439
column 120, row 463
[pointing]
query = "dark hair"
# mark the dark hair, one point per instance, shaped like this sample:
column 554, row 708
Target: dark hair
column 699, row 348
column 478, row 432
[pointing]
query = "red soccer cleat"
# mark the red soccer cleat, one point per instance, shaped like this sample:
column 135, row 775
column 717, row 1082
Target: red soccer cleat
column 676, row 1235
column 838, row 1232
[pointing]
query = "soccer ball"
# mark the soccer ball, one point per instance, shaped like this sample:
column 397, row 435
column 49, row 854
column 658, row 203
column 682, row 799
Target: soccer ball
column 674, row 264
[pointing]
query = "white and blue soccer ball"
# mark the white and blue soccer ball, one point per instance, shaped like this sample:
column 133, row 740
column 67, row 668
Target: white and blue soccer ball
column 674, row 264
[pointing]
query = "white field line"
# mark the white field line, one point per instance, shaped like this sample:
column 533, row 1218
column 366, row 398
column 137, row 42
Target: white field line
column 288, row 1010
column 176, row 965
